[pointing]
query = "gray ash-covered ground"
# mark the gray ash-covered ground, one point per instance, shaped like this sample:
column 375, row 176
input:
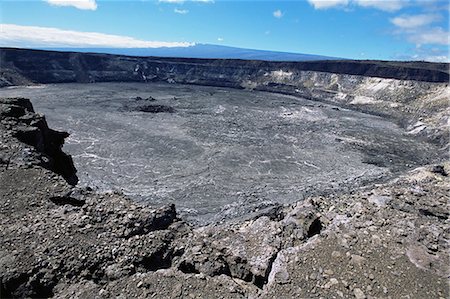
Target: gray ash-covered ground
column 215, row 152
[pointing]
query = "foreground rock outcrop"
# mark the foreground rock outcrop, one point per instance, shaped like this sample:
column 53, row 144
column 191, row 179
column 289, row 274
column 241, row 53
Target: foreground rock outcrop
column 19, row 120
column 381, row 241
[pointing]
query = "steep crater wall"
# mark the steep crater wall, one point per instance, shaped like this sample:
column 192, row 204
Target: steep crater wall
column 57, row 67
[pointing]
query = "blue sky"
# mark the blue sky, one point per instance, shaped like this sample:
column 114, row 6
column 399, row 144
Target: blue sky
column 359, row 29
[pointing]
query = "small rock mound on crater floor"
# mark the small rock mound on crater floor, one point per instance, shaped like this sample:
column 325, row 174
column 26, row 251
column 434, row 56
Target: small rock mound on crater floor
column 150, row 108
column 155, row 108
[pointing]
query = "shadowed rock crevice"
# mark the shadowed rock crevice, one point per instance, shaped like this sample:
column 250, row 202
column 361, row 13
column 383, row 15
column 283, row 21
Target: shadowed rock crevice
column 315, row 228
column 438, row 214
column 247, row 251
column 160, row 259
column 13, row 285
column 187, row 268
column 261, row 281
column 67, row 200
column 50, row 142
column 439, row 169
column 33, row 284
column 160, row 220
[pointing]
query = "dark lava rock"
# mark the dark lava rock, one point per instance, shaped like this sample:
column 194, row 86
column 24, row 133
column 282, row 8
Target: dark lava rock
column 32, row 129
column 141, row 105
column 439, row 169
column 149, row 99
column 156, row 109
column 67, row 200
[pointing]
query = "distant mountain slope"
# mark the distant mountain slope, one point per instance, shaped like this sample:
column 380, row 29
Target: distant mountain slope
column 201, row 51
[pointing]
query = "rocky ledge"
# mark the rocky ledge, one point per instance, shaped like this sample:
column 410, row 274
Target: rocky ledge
column 19, row 120
column 381, row 241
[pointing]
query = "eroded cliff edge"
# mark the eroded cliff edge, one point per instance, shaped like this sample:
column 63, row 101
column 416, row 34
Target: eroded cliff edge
column 19, row 120
column 388, row 240
column 56, row 67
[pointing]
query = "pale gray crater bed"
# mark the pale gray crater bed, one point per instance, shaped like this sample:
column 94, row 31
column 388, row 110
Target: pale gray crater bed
column 221, row 153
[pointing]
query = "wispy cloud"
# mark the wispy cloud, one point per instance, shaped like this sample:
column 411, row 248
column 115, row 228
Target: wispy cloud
column 324, row 4
column 419, row 29
column 436, row 54
column 31, row 36
column 431, row 36
column 386, row 5
column 414, row 21
column 181, row 11
column 182, row 1
column 80, row 4
column 278, row 14
column 171, row 1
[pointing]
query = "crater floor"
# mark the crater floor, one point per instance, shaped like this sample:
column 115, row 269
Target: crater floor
column 219, row 153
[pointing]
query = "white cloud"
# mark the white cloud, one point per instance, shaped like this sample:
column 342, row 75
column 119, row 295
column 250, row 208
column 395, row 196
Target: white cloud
column 31, row 36
column 182, row 1
column 414, row 21
column 436, row 54
column 432, row 36
column 171, row 1
column 278, row 14
column 181, row 11
column 324, row 4
column 432, row 58
column 417, row 29
column 386, row 5
column 80, row 4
